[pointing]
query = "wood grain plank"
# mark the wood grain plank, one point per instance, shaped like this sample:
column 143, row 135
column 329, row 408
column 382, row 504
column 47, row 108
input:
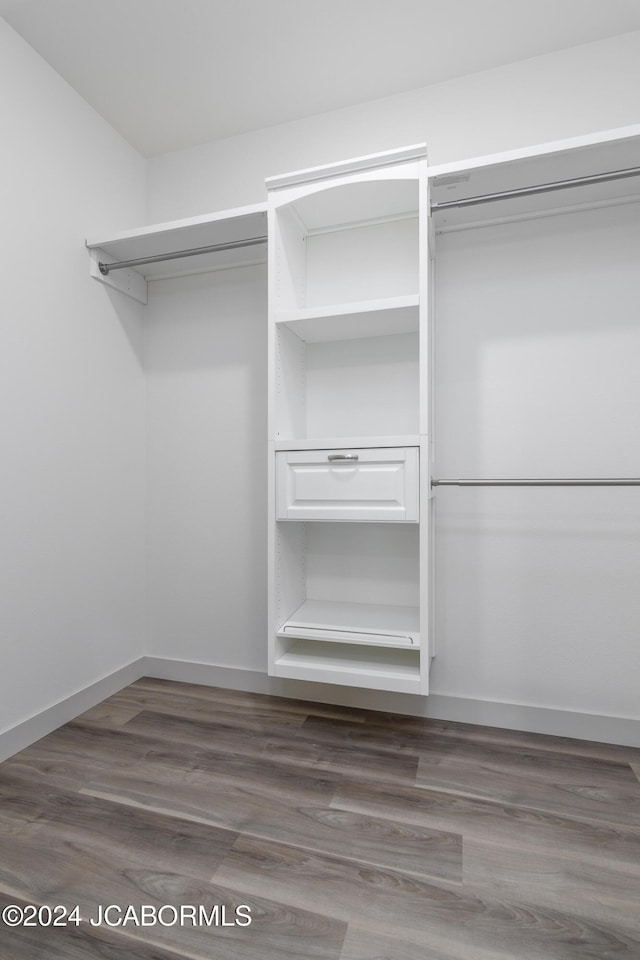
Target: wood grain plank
column 360, row 944
column 436, row 916
column 77, row 873
column 382, row 841
column 226, row 797
column 522, row 828
column 110, row 713
column 239, row 700
column 574, row 785
column 78, row 754
column 578, row 787
column 257, row 717
column 366, row 736
column 161, row 842
column 605, row 892
column 431, row 738
column 302, row 750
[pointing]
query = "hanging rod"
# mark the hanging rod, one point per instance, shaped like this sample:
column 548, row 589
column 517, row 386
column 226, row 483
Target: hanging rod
column 540, row 188
column 106, row 268
column 542, row 482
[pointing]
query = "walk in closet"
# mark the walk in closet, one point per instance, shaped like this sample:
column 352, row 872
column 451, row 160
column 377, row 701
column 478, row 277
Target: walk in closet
column 453, row 414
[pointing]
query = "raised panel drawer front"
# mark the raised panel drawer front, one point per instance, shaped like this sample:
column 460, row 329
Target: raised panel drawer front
column 356, row 484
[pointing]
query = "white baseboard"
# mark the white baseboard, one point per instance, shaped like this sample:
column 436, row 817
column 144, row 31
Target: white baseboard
column 516, row 716
column 512, row 716
column 48, row 720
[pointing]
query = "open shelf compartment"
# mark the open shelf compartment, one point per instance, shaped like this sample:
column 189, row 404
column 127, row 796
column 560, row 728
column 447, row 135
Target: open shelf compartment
column 365, row 387
column 348, row 602
column 347, row 244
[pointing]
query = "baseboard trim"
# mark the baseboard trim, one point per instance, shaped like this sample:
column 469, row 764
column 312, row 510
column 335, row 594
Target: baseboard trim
column 623, row 731
column 34, row 728
column 509, row 716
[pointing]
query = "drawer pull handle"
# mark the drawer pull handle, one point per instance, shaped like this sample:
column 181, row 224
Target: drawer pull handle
column 342, row 456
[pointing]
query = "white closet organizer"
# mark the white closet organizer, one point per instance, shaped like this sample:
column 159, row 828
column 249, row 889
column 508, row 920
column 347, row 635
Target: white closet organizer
column 348, row 423
column 351, row 263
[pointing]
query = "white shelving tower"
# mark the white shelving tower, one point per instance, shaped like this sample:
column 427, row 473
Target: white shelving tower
column 349, row 423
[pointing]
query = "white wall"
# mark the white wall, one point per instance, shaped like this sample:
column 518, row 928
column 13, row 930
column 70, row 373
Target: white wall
column 582, row 90
column 212, row 387
column 206, row 458
column 71, row 396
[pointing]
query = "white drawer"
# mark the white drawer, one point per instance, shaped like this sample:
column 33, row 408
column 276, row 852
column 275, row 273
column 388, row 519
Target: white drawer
column 348, row 484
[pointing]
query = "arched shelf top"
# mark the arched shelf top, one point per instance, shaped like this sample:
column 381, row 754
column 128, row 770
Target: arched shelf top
column 359, row 201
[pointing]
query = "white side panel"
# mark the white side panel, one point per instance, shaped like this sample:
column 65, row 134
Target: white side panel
column 288, row 250
column 291, row 569
column 289, row 384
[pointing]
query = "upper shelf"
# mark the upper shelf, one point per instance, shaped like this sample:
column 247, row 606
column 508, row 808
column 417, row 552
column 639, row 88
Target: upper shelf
column 228, row 226
column 521, row 170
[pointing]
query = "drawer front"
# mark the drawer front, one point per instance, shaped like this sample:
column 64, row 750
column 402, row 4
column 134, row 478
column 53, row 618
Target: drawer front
column 348, row 484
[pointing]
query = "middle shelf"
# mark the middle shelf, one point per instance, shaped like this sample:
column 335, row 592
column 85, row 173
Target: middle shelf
column 349, row 321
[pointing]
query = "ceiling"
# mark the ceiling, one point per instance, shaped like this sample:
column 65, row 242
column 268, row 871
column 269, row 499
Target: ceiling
column 169, row 74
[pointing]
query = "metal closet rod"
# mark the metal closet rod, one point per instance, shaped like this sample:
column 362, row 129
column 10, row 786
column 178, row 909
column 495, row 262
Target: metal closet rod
column 106, row 268
column 540, row 188
column 541, row 482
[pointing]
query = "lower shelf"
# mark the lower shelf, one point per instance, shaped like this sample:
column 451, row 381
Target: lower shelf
column 372, row 624
column 354, row 665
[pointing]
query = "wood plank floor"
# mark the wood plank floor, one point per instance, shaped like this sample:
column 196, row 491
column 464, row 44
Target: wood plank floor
column 349, row 835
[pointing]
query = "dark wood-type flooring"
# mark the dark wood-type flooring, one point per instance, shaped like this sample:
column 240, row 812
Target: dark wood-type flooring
column 350, row 835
